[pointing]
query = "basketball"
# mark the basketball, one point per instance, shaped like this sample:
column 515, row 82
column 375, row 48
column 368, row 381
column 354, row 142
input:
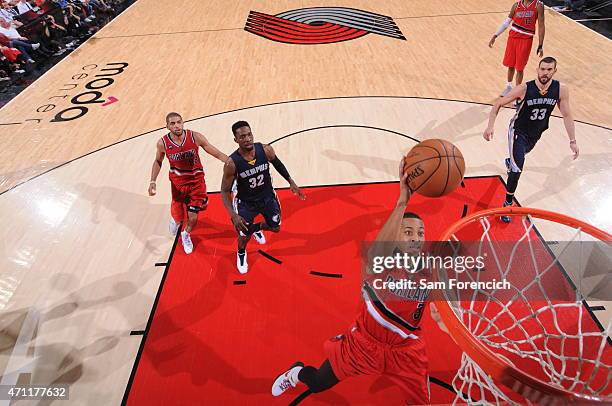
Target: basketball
column 435, row 167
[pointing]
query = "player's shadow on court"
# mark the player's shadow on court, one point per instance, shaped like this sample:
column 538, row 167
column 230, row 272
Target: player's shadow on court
column 173, row 347
column 129, row 209
column 292, row 205
column 82, row 308
column 567, row 172
column 454, row 127
column 135, row 210
column 61, row 361
column 361, row 163
column 466, row 119
column 56, row 363
column 11, row 179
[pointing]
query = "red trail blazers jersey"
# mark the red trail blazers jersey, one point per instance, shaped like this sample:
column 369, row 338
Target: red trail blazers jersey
column 392, row 316
column 185, row 164
column 524, row 19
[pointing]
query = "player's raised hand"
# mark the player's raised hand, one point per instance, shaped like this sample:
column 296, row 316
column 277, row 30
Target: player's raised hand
column 239, row 223
column 405, row 192
column 488, row 134
column 492, row 41
column 152, row 189
column 296, row 190
column 574, row 148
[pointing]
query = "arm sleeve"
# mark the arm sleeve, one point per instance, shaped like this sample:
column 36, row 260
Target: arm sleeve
column 503, row 27
column 280, row 167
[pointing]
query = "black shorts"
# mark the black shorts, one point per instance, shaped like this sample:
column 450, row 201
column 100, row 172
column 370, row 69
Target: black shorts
column 268, row 207
column 519, row 145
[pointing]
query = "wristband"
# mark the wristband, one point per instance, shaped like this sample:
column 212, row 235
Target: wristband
column 152, row 182
column 572, row 141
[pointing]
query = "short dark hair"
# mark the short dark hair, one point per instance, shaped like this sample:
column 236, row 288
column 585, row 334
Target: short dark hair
column 239, row 124
column 548, row 59
column 412, row 215
column 172, row 114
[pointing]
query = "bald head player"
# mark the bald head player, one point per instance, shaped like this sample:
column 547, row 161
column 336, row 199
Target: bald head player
column 186, row 175
column 539, row 98
column 385, row 339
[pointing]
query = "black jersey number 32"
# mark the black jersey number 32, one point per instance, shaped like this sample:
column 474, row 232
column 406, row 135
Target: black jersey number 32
column 538, row 114
column 254, row 182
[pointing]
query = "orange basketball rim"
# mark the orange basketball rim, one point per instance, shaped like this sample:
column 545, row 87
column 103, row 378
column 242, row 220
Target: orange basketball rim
column 496, row 367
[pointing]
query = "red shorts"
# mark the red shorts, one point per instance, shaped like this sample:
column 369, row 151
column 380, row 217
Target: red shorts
column 190, row 196
column 357, row 353
column 517, row 52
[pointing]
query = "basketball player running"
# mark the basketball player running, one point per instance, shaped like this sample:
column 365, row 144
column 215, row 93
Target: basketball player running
column 186, row 175
column 539, row 98
column 249, row 168
column 385, row 339
column 522, row 18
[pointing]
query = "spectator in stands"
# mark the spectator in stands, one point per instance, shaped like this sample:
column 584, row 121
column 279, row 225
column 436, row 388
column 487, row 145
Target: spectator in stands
column 23, row 7
column 7, row 11
column 52, row 35
column 14, row 57
column 77, row 27
column 571, row 5
column 44, row 5
column 16, row 40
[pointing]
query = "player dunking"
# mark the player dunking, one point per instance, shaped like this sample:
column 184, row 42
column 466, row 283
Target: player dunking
column 522, row 18
column 385, row 339
column 249, row 167
column 539, row 98
column 186, row 175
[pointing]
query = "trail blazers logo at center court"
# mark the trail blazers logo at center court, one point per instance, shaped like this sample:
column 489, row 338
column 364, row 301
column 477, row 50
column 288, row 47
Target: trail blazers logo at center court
column 320, row 25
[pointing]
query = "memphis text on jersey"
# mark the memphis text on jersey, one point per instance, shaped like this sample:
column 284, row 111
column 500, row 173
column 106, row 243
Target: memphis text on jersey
column 541, row 100
column 250, row 172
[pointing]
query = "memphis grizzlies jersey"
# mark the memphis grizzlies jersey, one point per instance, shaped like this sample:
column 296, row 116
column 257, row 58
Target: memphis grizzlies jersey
column 253, row 180
column 532, row 115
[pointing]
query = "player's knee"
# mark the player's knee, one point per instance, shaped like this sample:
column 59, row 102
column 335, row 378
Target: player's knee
column 316, row 387
column 320, row 383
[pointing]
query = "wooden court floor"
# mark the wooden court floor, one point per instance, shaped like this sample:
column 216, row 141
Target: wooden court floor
column 80, row 237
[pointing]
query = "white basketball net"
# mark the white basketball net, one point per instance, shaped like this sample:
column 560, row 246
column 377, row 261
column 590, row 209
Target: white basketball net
column 556, row 341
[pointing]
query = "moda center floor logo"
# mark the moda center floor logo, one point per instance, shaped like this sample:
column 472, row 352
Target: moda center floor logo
column 320, row 25
column 76, row 96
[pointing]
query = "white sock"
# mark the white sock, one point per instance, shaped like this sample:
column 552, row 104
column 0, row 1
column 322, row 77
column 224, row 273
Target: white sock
column 184, row 233
column 509, row 84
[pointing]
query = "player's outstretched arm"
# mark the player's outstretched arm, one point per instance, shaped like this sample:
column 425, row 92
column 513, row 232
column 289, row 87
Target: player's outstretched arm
column 229, row 174
column 516, row 93
column 157, row 164
column 541, row 30
column 568, row 119
column 390, row 232
column 280, row 167
column 503, row 26
column 209, row 148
